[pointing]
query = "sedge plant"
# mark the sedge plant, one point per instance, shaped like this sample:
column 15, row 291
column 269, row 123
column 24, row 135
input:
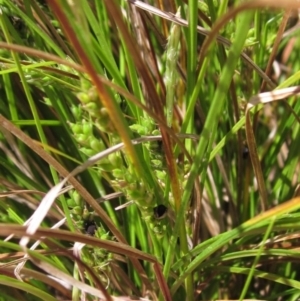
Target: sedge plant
column 149, row 150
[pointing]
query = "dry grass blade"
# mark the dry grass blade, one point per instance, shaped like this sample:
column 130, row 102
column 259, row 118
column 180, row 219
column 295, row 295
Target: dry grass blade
column 256, row 162
column 275, row 95
column 162, row 283
column 13, row 192
column 24, row 242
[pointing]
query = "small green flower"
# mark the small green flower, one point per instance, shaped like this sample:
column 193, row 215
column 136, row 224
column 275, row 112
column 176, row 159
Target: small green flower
column 83, row 97
column 77, row 210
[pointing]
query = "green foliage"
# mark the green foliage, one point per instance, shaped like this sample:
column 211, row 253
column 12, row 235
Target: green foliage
column 171, row 196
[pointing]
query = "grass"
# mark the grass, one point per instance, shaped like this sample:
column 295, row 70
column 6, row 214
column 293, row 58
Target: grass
column 149, row 150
